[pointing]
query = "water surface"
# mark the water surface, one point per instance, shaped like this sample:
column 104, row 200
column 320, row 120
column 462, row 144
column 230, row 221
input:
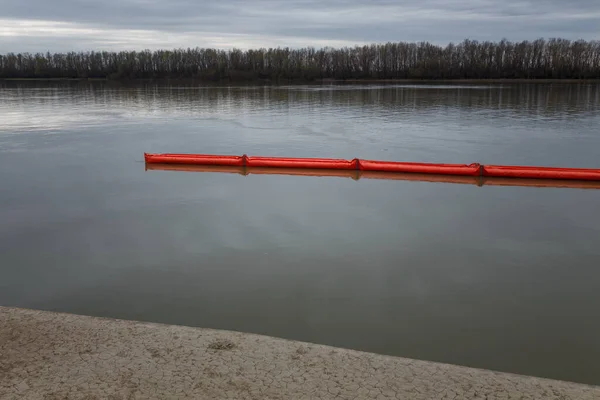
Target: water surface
column 494, row 277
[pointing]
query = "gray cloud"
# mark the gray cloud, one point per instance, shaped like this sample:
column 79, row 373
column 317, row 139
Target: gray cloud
column 58, row 25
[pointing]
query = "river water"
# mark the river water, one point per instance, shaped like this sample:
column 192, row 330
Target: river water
column 504, row 278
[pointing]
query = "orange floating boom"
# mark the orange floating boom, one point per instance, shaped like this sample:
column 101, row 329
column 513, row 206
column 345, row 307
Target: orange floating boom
column 579, row 174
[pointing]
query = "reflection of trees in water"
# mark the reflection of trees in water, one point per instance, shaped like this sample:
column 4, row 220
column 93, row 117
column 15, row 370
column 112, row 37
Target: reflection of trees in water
column 548, row 100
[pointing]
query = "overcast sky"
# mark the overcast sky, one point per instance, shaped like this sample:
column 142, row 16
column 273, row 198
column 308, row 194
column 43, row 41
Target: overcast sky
column 62, row 25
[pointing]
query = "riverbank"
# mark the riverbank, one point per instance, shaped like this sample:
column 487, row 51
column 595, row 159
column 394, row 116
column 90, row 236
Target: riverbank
column 46, row 355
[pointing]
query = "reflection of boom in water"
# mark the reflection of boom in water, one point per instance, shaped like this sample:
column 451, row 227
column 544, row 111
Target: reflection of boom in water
column 356, row 175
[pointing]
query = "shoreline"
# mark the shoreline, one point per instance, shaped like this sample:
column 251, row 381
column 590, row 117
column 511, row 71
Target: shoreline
column 55, row 355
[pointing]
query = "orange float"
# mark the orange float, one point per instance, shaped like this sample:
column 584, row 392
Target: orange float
column 471, row 170
column 505, row 171
column 195, row 159
column 312, row 163
column 420, row 168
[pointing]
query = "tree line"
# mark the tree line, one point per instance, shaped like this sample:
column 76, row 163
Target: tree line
column 470, row 59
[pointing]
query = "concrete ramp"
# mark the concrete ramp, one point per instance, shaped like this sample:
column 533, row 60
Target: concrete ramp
column 46, row 355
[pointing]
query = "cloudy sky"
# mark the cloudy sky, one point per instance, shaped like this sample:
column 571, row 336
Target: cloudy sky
column 60, row 25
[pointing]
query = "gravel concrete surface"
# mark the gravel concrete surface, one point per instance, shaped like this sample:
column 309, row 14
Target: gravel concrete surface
column 51, row 356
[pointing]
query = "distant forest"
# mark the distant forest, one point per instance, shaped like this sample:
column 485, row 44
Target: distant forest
column 539, row 59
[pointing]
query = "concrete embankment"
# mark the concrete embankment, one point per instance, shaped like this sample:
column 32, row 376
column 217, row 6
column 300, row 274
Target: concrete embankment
column 45, row 355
